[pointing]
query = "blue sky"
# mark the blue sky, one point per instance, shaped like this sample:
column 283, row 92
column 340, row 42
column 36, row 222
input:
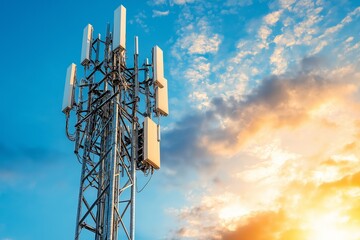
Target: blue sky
column 263, row 127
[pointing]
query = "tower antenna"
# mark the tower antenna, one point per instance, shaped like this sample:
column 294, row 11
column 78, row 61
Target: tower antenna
column 115, row 134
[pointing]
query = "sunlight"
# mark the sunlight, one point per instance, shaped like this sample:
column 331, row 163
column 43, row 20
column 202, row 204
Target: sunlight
column 232, row 211
column 325, row 233
column 230, row 214
column 331, row 226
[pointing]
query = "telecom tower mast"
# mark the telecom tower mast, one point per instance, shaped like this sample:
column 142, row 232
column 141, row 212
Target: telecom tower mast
column 115, row 132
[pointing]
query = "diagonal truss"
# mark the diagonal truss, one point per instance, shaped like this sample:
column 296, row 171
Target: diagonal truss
column 108, row 143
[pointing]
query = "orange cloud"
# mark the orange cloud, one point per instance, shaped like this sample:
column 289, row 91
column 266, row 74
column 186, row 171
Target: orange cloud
column 288, row 152
column 259, row 226
column 278, row 103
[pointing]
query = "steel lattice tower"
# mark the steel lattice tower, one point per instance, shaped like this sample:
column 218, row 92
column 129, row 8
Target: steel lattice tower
column 115, row 135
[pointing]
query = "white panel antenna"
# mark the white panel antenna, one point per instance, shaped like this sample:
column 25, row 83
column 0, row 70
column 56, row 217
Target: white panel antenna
column 119, row 33
column 161, row 103
column 69, row 88
column 136, row 43
column 151, row 143
column 158, row 67
column 86, row 44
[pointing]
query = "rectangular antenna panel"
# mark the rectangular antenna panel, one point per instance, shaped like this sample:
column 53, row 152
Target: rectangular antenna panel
column 158, row 62
column 136, row 45
column 69, row 88
column 161, row 103
column 86, row 44
column 151, row 143
column 119, row 33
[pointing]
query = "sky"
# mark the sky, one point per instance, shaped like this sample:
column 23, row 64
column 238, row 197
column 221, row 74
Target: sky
column 263, row 136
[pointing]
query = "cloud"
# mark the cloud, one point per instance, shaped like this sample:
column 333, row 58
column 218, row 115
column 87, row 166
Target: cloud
column 271, row 129
column 269, row 151
column 157, row 13
column 198, row 71
column 307, row 17
column 199, row 43
column 346, row 20
column 182, row 2
column 202, row 44
column 273, row 18
column 278, row 102
column 195, row 38
column 286, row 3
column 156, row 2
column 349, row 39
column 262, row 225
column 238, row 3
column 347, row 181
column 226, row 86
column 181, row 145
column 140, row 19
column 275, row 42
column 264, row 32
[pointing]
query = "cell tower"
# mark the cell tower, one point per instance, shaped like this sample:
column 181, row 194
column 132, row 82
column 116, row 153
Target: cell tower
column 115, row 133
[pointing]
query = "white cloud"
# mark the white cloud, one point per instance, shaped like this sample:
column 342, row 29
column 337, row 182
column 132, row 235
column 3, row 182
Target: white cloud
column 353, row 48
column 346, row 20
column 349, row 39
column 334, row 29
column 240, row 3
column 307, row 27
column 282, row 38
column 278, row 61
column 264, row 32
column 301, row 27
column 140, row 19
column 355, row 12
column 201, row 44
column 182, row 2
column 319, row 47
column 286, row 39
column 286, row 3
column 156, row 2
column 157, row 13
column 233, row 7
column 197, row 38
column 201, row 98
column 273, row 18
column 196, row 43
column 198, row 71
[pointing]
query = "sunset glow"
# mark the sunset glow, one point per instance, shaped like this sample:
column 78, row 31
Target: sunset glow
column 331, row 226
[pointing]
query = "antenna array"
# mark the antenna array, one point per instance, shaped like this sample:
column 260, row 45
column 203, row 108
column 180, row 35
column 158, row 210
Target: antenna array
column 115, row 132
